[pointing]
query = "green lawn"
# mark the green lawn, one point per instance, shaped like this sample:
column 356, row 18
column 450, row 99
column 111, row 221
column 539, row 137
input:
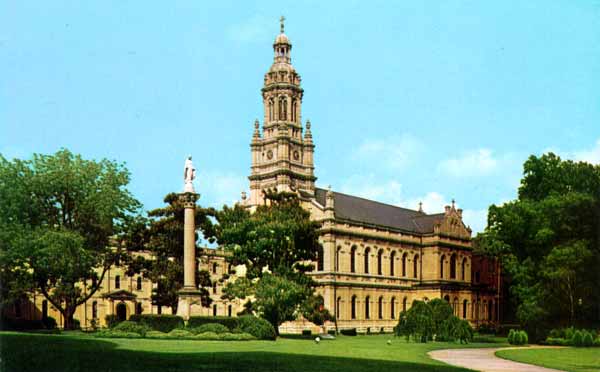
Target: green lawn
column 568, row 359
column 79, row 352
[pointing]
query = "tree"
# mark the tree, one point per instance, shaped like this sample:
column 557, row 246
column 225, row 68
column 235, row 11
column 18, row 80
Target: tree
column 61, row 213
column 548, row 241
column 162, row 235
column 425, row 319
column 276, row 244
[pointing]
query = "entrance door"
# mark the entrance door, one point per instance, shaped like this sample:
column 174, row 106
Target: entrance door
column 121, row 312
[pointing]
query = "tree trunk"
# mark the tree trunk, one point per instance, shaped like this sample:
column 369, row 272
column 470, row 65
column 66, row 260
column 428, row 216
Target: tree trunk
column 68, row 322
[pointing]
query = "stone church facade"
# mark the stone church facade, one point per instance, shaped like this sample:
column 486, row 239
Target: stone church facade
column 376, row 258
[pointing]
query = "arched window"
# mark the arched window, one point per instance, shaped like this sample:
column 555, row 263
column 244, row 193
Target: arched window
column 455, row 306
column 416, row 266
column 380, row 307
column 392, row 259
column 282, row 108
column 337, row 258
column 442, row 259
column 95, row 310
column 214, row 287
column 367, row 309
column 117, row 282
column 490, row 310
column 214, row 310
column 294, row 108
column 453, row 266
column 229, row 310
column 320, row 258
column 94, row 281
column 45, row 309
column 139, row 283
column 379, row 262
column 338, row 307
column 464, row 264
column 353, row 314
column 404, row 258
column 465, row 303
column 367, row 252
column 138, row 308
column 404, row 301
column 353, row 260
column 393, row 308
column 214, row 267
column 271, row 108
column 447, row 298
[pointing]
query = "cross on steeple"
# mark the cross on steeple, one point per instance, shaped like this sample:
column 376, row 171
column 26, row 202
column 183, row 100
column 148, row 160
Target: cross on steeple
column 281, row 20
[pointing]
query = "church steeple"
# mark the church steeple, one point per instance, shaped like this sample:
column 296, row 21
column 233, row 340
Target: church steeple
column 282, row 159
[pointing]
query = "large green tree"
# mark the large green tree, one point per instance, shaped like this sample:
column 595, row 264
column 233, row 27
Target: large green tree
column 59, row 214
column 162, row 235
column 549, row 243
column 276, row 243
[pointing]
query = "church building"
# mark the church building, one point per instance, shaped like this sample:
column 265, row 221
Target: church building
column 376, row 258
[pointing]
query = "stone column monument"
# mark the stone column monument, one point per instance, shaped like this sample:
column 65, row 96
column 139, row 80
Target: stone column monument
column 189, row 293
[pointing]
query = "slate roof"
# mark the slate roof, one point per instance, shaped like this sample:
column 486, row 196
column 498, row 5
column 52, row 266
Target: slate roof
column 356, row 209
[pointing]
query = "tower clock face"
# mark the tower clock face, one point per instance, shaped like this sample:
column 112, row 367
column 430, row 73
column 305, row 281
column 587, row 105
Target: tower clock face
column 269, row 154
column 296, row 155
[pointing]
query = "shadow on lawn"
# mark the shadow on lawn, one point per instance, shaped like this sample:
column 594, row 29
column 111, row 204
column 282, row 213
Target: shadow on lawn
column 21, row 352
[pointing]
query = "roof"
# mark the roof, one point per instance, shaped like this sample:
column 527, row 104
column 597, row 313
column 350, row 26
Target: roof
column 356, row 209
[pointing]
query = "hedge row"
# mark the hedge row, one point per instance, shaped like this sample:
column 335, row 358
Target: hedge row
column 162, row 323
column 229, row 322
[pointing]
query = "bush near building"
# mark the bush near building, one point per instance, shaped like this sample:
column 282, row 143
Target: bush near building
column 230, row 322
column 162, row 323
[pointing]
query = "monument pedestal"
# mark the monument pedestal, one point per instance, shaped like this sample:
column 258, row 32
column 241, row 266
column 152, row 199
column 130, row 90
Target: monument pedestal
column 187, row 298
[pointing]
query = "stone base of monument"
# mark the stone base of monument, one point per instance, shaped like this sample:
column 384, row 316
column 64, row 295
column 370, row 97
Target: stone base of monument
column 187, row 298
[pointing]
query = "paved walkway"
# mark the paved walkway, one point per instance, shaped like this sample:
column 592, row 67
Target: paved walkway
column 484, row 360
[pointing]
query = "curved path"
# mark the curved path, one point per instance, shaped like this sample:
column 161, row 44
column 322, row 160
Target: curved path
column 484, row 360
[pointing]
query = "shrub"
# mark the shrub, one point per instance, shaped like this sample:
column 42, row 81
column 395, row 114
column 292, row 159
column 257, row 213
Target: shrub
column 569, row 333
column 306, row 332
column 163, row 323
column 207, row 336
column 524, row 338
column 348, row 332
column 156, row 334
column 49, row 322
column 257, row 327
column 210, row 327
column 331, row 332
column 237, row 337
column 511, row 337
column 111, row 320
column 229, row 322
column 588, row 339
column 76, row 323
column 577, row 339
column 180, row 333
column 133, row 327
column 517, row 337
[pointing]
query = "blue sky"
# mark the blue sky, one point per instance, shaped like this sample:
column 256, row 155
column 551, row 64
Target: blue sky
column 408, row 101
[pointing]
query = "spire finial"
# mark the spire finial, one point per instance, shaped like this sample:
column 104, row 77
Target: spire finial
column 421, row 206
column 453, row 203
column 281, row 20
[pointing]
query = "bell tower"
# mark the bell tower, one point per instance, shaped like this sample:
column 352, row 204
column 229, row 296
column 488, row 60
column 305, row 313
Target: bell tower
column 282, row 150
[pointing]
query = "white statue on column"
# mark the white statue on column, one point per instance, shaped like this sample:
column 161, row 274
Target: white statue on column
column 189, row 174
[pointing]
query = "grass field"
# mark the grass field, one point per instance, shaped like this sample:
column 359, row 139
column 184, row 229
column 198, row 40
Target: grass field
column 568, row 359
column 80, row 352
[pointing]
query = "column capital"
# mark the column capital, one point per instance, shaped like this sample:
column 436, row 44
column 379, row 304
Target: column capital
column 188, row 199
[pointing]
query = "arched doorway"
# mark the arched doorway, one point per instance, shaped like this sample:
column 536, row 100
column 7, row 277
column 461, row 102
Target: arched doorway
column 121, row 311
